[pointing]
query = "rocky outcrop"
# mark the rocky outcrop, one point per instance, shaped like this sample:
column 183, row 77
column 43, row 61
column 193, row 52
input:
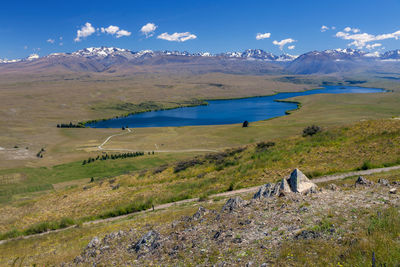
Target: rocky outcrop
column 296, row 183
column 147, row 243
column 200, row 213
column 233, row 204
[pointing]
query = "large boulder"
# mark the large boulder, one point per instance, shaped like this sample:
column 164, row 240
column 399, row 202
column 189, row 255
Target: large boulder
column 299, row 183
column 296, row 183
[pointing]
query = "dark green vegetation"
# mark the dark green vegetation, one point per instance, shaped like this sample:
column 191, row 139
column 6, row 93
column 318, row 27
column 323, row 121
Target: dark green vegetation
column 71, row 125
column 311, row 130
column 115, row 156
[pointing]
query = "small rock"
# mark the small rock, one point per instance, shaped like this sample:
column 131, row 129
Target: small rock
column 200, row 213
column 362, row 181
column 147, row 243
column 233, row 204
column 303, row 209
column 393, row 190
column 93, row 243
column 383, row 182
column 217, row 234
column 333, row 187
column 305, row 234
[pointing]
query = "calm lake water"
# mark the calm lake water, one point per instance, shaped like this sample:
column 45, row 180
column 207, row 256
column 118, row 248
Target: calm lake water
column 224, row 111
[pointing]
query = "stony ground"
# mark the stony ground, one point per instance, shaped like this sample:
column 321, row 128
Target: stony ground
column 245, row 232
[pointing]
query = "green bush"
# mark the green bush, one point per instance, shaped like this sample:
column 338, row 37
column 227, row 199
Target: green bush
column 311, row 130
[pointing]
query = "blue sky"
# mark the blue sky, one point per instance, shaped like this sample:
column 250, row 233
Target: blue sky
column 45, row 27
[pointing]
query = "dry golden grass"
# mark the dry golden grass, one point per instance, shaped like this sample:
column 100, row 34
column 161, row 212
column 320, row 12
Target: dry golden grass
column 334, row 150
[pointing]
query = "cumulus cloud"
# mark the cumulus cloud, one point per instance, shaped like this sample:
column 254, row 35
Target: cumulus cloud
column 177, row 36
column 115, row 30
column 51, row 41
column 325, row 28
column 84, row 32
column 361, row 40
column 373, row 46
column 291, row 47
column 148, row 29
column 349, row 29
column 261, row 36
column 283, row 42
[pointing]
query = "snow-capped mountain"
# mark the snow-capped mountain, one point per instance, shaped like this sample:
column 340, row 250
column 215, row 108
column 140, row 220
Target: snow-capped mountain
column 394, row 54
column 29, row 58
column 112, row 59
column 257, row 54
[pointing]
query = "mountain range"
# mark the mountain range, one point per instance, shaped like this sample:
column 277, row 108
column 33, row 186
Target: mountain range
column 112, row 59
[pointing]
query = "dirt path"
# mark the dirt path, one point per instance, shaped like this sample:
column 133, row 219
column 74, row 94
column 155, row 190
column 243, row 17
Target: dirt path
column 111, row 136
column 322, row 179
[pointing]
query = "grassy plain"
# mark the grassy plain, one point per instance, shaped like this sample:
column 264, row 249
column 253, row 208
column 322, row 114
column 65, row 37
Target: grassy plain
column 336, row 149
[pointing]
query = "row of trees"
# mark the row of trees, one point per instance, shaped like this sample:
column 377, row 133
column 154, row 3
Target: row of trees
column 115, row 156
column 71, row 125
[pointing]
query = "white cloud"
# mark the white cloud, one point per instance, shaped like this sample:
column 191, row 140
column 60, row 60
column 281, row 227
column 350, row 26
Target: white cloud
column 148, row 29
column 324, row 28
column 354, row 30
column 283, row 42
column 291, row 47
column 115, row 30
column 372, row 46
column 177, row 36
column 51, row 41
column 84, row 32
column 361, row 40
column 263, row 35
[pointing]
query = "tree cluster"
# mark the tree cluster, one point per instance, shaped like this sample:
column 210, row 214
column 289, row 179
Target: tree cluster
column 40, row 153
column 71, row 125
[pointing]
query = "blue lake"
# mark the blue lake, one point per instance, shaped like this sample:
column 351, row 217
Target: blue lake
column 224, row 111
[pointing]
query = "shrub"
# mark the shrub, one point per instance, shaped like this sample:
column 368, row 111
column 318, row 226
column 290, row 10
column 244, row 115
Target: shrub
column 231, row 186
column 311, row 130
column 183, row 165
column 261, row 146
column 366, row 165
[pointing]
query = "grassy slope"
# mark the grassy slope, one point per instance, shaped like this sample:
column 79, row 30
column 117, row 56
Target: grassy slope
column 68, row 244
column 334, row 150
